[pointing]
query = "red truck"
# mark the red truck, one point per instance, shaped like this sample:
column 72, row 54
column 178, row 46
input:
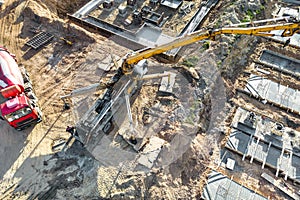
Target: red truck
column 18, row 103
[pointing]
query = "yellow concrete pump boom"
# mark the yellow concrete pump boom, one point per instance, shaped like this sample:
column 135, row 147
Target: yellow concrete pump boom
column 289, row 25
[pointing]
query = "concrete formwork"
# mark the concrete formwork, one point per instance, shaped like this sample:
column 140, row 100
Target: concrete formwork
column 273, row 92
column 280, row 62
column 293, row 2
column 259, row 138
column 220, row 187
column 147, row 34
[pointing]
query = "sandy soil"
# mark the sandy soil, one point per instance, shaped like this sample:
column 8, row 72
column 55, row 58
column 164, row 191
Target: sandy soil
column 53, row 70
column 31, row 169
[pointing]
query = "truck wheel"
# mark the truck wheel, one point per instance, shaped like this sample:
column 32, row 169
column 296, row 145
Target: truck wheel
column 39, row 119
column 28, row 87
column 26, row 79
column 32, row 96
column 26, row 76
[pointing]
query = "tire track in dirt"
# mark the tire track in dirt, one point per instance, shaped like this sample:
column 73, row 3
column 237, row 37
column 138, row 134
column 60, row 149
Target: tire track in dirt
column 37, row 147
column 17, row 28
column 48, row 85
column 52, row 88
column 11, row 24
column 4, row 22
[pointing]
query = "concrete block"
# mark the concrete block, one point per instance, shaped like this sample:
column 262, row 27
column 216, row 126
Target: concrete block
column 230, row 163
column 151, row 152
column 167, row 83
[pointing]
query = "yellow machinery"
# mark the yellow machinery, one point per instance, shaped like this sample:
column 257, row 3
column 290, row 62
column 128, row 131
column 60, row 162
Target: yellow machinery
column 289, row 25
column 99, row 116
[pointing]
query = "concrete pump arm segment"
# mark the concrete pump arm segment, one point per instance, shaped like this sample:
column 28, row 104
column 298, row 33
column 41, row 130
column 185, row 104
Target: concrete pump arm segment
column 289, row 27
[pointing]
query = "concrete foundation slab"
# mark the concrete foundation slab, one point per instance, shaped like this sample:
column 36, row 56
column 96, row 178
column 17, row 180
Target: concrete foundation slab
column 280, row 62
column 220, row 187
column 238, row 141
column 273, row 92
column 272, row 158
column 151, row 35
column 269, row 144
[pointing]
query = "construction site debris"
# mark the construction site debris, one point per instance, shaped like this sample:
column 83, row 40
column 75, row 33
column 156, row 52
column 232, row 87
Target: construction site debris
column 192, row 122
column 150, row 152
column 68, row 42
column 172, row 4
column 293, row 40
column 167, row 83
column 109, row 61
column 286, row 11
column 281, row 185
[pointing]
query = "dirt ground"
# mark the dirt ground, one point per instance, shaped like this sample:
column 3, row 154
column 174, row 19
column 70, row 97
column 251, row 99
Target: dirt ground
column 53, row 70
column 31, row 169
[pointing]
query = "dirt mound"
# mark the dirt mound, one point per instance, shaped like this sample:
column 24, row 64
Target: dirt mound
column 181, row 179
column 62, row 8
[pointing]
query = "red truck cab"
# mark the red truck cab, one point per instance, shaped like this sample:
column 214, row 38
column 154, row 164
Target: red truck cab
column 18, row 104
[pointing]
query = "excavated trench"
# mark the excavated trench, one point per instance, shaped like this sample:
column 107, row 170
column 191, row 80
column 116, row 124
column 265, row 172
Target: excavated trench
column 62, row 8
